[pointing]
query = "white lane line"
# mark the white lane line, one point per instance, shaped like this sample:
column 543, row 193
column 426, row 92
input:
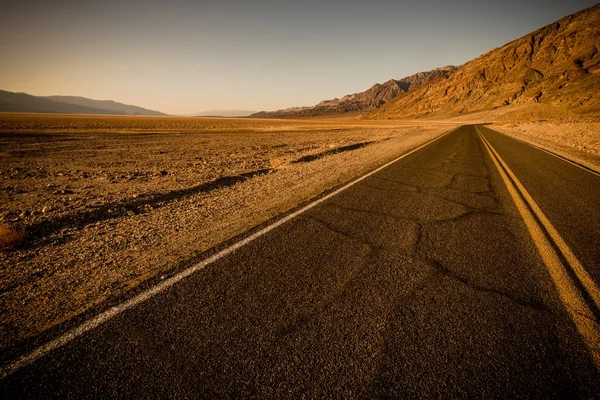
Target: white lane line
column 583, row 167
column 116, row 310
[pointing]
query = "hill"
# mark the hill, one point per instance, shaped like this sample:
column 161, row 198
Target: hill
column 553, row 72
column 375, row 96
column 23, row 102
column 107, row 105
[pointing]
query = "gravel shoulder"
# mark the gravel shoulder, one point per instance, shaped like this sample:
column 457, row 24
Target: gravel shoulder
column 577, row 141
column 109, row 203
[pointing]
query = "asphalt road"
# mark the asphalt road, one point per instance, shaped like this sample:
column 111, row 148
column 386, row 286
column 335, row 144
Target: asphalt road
column 421, row 280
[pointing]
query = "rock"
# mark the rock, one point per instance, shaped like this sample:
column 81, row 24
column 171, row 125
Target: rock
column 130, row 213
column 63, row 191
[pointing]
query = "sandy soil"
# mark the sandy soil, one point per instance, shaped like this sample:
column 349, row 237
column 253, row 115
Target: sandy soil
column 108, row 203
column 577, row 141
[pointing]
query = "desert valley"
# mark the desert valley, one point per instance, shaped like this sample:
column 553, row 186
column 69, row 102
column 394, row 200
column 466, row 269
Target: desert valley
column 102, row 201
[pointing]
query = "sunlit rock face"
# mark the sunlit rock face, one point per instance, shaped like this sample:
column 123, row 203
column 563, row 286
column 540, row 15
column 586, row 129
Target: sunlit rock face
column 555, row 69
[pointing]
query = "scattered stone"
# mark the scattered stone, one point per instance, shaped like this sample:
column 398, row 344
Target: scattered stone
column 63, row 191
column 86, row 257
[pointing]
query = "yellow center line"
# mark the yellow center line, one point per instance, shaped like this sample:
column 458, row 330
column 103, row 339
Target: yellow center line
column 570, row 295
column 574, row 263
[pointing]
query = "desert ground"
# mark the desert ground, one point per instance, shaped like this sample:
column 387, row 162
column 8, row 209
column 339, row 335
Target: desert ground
column 95, row 208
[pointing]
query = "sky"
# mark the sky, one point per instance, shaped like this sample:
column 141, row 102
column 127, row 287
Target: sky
column 183, row 56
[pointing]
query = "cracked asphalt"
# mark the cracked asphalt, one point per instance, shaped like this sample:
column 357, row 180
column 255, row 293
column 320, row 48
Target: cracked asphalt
column 419, row 281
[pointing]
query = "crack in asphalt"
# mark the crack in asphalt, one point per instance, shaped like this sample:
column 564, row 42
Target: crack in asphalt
column 464, row 204
column 471, row 210
column 330, row 228
column 441, row 269
column 381, row 213
column 418, row 238
column 390, row 189
column 394, row 181
column 427, row 192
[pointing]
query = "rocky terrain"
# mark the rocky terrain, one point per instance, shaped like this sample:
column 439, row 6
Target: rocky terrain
column 370, row 99
column 554, row 71
column 94, row 208
column 23, row 102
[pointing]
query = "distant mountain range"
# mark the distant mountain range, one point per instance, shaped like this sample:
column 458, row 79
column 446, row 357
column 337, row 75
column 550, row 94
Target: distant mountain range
column 553, row 72
column 223, row 113
column 370, row 99
column 23, row 102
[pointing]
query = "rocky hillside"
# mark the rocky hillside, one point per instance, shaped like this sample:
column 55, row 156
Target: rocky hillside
column 554, row 71
column 375, row 96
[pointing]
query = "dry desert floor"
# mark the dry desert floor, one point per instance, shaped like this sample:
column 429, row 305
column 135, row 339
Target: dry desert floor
column 105, row 206
column 96, row 208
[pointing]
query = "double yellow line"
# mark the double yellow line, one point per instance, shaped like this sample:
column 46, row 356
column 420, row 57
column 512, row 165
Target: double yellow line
column 558, row 257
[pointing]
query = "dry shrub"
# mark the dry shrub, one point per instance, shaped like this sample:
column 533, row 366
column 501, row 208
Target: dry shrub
column 10, row 239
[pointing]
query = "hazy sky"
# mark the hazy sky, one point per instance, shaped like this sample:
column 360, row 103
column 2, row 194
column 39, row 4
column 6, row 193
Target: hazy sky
column 183, row 56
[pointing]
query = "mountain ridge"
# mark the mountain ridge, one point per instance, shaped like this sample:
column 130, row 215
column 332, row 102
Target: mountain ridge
column 24, row 102
column 375, row 96
column 111, row 105
column 552, row 72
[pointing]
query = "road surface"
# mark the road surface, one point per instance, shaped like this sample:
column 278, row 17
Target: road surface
column 425, row 279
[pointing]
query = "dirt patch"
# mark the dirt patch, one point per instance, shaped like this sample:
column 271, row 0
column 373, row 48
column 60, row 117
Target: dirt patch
column 104, row 211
